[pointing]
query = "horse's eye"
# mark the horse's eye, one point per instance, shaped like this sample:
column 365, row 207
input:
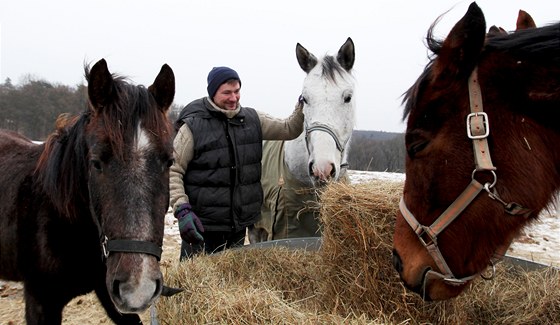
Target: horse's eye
column 347, row 99
column 96, row 164
column 416, row 147
column 170, row 162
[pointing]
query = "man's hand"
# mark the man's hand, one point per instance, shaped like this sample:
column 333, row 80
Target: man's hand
column 190, row 226
column 300, row 102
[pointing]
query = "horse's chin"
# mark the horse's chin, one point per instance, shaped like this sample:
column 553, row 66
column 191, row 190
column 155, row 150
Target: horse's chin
column 437, row 289
column 430, row 289
column 317, row 183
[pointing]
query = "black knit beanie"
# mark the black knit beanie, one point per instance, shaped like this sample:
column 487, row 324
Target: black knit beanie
column 217, row 76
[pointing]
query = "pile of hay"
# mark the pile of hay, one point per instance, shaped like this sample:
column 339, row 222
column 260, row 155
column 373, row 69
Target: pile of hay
column 349, row 280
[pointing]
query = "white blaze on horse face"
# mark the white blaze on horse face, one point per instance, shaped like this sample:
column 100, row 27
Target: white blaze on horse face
column 142, row 140
column 330, row 105
column 136, row 293
column 137, row 171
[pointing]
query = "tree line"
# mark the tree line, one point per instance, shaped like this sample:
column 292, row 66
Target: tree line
column 377, row 151
column 32, row 107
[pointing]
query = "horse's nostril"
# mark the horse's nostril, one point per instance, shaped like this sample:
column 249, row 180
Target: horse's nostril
column 116, row 288
column 397, row 262
column 158, row 290
column 310, row 170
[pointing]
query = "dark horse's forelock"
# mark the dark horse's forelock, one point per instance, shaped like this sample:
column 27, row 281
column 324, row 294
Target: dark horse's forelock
column 411, row 95
column 63, row 165
column 331, row 68
column 119, row 124
column 434, row 46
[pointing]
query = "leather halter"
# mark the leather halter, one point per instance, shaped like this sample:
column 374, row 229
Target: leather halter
column 323, row 128
column 122, row 245
column 341, row 147
column 478, row 130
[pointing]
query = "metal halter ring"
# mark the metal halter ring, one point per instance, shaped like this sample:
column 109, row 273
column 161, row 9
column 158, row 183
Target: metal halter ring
column 487, row 185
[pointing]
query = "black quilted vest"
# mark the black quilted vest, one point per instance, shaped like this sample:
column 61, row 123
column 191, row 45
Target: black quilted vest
column 223, row 178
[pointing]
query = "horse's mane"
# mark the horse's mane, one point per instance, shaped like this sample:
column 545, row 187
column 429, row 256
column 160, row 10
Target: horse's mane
column 542, row 44
column 331, row 68
column 410, row 96
column 62, row 168
column 530, row 44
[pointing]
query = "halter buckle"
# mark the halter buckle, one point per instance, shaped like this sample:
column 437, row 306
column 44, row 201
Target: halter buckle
column 477, row 125
column 105, row 252
column 425, row 236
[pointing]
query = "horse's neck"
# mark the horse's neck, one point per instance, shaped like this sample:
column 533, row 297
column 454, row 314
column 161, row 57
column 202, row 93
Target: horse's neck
column 296, row 158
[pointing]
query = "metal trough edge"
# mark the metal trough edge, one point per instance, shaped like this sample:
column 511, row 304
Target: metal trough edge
column 314, row 243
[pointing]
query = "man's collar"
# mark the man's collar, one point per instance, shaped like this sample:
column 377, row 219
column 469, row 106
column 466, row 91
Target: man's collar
column 226, row 112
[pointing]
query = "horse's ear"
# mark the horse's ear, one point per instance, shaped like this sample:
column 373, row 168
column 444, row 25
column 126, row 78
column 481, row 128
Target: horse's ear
column 460, row 50
column 495, row 31
column 100, row 84
column 306, row 60
column 346, row 55
column 524, row 20
column 163, row 88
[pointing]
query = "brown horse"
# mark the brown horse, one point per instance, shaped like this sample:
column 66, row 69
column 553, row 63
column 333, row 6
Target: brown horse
column 470, row 188
column 85, row 210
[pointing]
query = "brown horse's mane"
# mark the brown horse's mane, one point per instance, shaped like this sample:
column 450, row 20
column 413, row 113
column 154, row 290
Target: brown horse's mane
column 534, row 44
column 63, row 165
column 530, row 44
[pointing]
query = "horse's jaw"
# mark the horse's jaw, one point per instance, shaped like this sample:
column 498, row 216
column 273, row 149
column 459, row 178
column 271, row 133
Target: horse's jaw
column 296, row 158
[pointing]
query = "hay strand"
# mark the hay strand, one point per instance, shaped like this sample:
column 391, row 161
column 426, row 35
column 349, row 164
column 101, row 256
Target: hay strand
column 349, row 280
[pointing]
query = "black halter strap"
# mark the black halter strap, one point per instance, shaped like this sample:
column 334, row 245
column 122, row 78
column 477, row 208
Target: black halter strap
column 133, row 246
column 122, row 245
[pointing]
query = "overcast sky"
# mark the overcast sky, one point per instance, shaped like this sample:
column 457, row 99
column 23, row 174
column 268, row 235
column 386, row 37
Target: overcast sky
column 52, row 39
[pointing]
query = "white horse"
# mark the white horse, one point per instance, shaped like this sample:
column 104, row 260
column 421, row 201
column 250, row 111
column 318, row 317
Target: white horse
column 293, row 170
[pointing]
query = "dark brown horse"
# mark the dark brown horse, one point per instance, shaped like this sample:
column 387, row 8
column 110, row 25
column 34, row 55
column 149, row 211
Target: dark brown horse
column 483, row 154
column 85, row 210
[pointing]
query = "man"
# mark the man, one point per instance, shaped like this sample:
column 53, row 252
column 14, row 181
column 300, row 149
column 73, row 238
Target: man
column 215, row 188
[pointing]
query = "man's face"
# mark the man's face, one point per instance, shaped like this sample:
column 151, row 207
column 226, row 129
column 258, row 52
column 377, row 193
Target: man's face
column 227, row 96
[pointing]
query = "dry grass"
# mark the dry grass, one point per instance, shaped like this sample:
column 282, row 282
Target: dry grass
column 349, row 280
